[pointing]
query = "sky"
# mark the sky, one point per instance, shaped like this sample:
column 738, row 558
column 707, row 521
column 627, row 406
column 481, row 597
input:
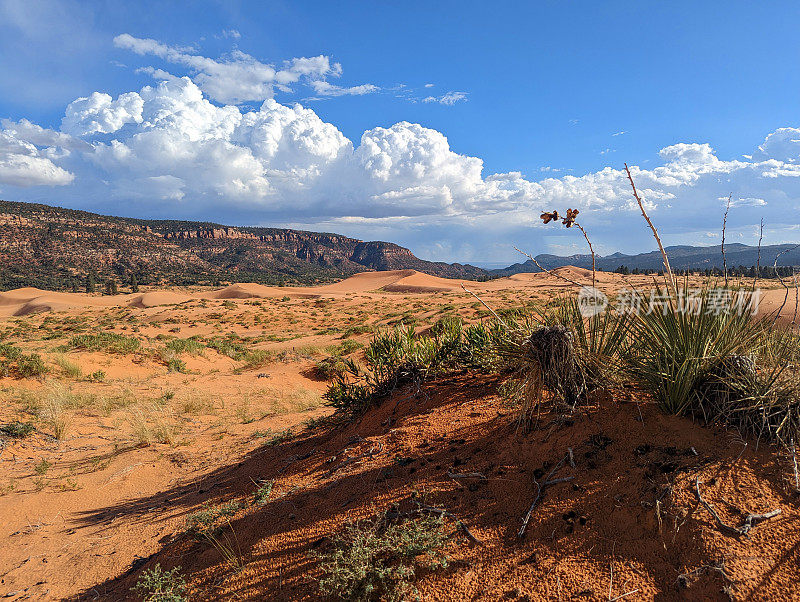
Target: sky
column 446, row 127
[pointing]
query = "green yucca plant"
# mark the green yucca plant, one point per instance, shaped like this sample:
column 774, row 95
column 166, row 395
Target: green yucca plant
column 675, row 350
column 399, row 355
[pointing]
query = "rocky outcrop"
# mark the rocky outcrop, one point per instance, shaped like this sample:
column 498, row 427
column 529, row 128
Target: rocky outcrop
column 56, row 248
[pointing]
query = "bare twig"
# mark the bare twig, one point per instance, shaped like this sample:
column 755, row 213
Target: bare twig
column 786, row 296
column 498, row 318
column 459, row 524
column 591, row 250
column 526, row 519
column 538, row 265
column 556, row 481
column 796, row 477
column 749, row 521
column 625, row 595
column 467, row 475
column 571, row 457
column 758, row 259
column 725, row 223
column 655, row 232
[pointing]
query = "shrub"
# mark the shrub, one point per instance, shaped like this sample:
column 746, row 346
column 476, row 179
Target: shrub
column 377, row 559
column 397, row 356
column 190, row 345
column 330, row 367
column 109, row 342
column 677, row 349
column 31, row 365
column 22, row 365
column 17, row 430
column 157, row 585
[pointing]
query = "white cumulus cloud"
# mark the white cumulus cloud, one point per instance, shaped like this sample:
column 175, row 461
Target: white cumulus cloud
column 168, row 150
column 239, row 77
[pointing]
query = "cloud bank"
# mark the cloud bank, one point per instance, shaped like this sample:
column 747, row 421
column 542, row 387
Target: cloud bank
column 185, row 147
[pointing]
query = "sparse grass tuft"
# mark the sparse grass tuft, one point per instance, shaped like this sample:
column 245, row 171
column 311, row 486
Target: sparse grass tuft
column 207, row 520
column 70, row 368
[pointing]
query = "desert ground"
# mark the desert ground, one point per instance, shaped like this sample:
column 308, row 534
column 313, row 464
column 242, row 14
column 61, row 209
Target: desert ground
column 152, row 408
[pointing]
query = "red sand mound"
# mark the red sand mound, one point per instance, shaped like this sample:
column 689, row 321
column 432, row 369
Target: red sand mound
column 623, row 523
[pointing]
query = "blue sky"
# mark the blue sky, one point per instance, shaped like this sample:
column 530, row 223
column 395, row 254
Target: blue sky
column 558, row 91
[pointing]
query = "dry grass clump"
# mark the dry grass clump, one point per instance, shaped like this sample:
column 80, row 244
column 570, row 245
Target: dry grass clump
column 153, row 424
column 68, row 367
column 556, row 356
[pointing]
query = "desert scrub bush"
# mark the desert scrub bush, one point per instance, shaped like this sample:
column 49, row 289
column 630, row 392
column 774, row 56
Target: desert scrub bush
column 17, row 429
column 22, row 365
column 552, row 353
column 31, row 364
column 398, row 356
column 191, row 345
column 378, row 558
column 109, row 342
column 330, row 367
column 675, row 348
column 170, row 358
column 97, row 376
column 157, row 585
column 230, row 346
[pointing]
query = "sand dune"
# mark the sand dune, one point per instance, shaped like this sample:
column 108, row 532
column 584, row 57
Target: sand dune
column 156, row 298
column 28, row 300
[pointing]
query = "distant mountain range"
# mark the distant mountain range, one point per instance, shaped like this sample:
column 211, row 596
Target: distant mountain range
column 55, row 248
column 681, row 257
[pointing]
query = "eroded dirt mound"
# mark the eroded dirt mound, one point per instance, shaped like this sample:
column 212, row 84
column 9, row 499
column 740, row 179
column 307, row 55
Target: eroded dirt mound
column 623, row 522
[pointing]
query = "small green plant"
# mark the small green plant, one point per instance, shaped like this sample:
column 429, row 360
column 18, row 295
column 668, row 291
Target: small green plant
column 17, row 430
column 263, row 492
column 191, row 345
column 207, row 519
column 97, row 376
column 280, row 437
column 176, row 364
column 377, row 559
column 42, row 467
column 157, row 585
